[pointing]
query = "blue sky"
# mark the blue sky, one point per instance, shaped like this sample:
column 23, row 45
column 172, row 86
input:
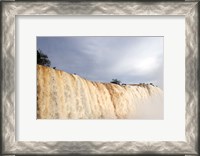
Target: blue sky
column 128, row 59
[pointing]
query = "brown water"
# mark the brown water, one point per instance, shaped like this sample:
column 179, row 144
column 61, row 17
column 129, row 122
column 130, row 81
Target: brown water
column 61, row 95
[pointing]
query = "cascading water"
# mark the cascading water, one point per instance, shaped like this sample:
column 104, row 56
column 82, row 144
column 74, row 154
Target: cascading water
column 61, row 95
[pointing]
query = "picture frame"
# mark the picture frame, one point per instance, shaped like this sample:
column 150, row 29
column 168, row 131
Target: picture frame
column 11, row 9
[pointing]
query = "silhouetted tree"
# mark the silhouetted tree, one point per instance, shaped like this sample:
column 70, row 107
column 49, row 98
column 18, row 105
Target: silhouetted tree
column 42, row 59
column 115, row 81
column 152, row 84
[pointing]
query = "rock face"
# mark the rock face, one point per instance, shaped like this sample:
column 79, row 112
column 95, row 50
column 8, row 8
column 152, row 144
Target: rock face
column 61, row 95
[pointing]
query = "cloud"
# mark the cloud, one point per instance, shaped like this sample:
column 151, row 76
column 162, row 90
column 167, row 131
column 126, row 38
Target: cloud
column 129, row 59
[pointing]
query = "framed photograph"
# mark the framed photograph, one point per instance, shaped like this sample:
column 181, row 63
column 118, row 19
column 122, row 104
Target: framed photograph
column 91, row 77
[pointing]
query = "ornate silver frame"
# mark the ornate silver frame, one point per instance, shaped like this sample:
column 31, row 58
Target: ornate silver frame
column 189, row 9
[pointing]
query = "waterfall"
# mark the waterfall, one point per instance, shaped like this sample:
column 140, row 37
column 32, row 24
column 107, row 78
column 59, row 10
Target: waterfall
column 61, row 95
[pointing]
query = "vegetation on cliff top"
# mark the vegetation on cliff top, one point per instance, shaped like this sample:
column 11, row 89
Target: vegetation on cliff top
column 42, row 59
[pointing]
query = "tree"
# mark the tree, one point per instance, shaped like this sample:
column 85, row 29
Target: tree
column 42, row 59
column 152, row 84
column 115, row 81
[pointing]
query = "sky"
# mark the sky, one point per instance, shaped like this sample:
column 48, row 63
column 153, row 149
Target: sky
column 129, row 59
